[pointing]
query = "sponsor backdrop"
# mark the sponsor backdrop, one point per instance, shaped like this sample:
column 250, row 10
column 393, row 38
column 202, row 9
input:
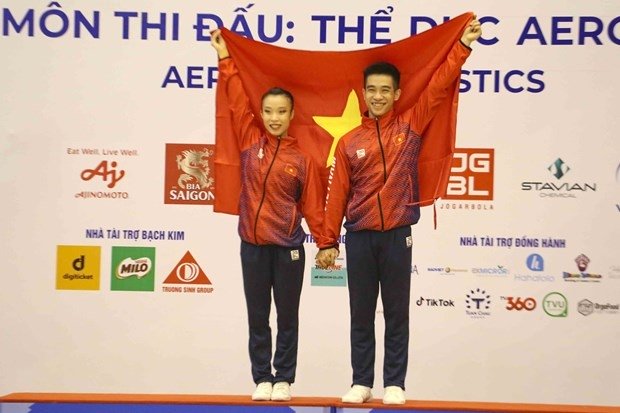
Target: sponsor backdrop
column 118, row 277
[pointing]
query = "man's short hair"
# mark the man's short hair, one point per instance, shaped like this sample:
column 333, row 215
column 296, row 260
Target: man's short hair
column 278, row 91
column 383, row 68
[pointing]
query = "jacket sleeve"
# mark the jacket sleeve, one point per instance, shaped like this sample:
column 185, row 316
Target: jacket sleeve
column 312, row 201
column 243, row 119
column 338, row 187
column 437, row 89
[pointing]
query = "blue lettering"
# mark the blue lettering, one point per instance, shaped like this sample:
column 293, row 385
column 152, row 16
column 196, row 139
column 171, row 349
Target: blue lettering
column 261, row 29
column 125, row 15
column 556, row 30
column 532, row 24
column 343, row 29
column 201, row 27
column 173, row 77
column 9, row 21
column 323, row 20
column 375, row 29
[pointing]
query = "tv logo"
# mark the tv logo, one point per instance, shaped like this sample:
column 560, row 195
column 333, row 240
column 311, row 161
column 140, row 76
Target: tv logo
column 535, row 262
column 471, row 175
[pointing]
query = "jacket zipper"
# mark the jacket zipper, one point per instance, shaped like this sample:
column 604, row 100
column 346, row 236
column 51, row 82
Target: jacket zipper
column 262, row 199
column 384, row 173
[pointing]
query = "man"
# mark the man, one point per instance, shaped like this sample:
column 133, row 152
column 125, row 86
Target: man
column 374, row 182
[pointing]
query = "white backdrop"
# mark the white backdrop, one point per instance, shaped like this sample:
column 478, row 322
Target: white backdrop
column 540, row 96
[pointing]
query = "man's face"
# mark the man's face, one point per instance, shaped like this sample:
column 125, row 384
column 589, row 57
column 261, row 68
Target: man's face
column 276, row 114
column 380, row 95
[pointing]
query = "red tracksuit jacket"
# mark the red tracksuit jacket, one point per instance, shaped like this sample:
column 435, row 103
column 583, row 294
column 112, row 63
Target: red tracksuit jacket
column 373, row 181
column 279, row 183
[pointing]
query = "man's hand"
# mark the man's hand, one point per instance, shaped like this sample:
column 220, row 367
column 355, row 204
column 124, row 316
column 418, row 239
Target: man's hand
column 218, row 43
column 326, row 258
column 472, row 32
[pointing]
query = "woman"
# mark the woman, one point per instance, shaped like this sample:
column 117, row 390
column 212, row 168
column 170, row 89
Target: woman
column 280, row 184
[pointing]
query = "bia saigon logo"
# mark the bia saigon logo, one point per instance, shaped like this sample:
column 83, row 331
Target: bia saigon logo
column 189, row 174
column 560, row 187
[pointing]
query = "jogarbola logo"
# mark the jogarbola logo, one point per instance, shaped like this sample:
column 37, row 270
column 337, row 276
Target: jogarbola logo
column 189, row 174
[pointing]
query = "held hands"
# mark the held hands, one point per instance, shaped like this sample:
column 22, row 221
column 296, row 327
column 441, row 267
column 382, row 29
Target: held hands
column 218, row 43
column 326, row 258
column 472, row 32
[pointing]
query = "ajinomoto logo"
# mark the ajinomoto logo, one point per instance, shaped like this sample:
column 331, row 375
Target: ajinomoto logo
column 187, row 277
column 471, row 175
column 78, row 267
column 133, row 269
column 189, row 174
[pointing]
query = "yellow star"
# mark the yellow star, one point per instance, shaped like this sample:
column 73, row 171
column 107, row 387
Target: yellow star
column 338, row 126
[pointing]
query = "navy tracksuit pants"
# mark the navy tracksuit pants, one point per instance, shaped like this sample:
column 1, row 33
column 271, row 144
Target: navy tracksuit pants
column 281, row 269
column 379, row 261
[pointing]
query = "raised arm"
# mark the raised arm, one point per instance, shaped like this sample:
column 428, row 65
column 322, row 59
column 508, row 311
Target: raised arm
column 239, row 103
column 437, row 89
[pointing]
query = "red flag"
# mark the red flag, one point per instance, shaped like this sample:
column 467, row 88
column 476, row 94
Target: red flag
column 327, row 87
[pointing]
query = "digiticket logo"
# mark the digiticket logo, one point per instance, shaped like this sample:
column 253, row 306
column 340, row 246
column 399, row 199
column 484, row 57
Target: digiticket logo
column 187, row 272
column 78, row 267
column 558, row 169
column 477, row 303
column 189, row 174
column 582, row 262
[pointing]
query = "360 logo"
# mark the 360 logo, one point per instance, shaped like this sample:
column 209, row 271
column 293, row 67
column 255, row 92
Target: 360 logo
column 518, row 303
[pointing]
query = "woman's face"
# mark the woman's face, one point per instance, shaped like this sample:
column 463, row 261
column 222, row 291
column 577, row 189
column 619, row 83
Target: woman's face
column 277, row 114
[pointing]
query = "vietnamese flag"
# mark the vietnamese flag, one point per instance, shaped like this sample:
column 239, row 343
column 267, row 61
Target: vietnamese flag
column 327, row 87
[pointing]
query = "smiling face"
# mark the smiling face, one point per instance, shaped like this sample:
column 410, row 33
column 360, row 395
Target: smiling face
column 380, row 94
column 277, row 113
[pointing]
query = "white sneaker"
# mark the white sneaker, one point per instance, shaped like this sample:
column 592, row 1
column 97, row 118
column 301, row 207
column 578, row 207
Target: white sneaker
column 262, row 391
column 357, row 394
column 281, row 392
column 394, row 395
